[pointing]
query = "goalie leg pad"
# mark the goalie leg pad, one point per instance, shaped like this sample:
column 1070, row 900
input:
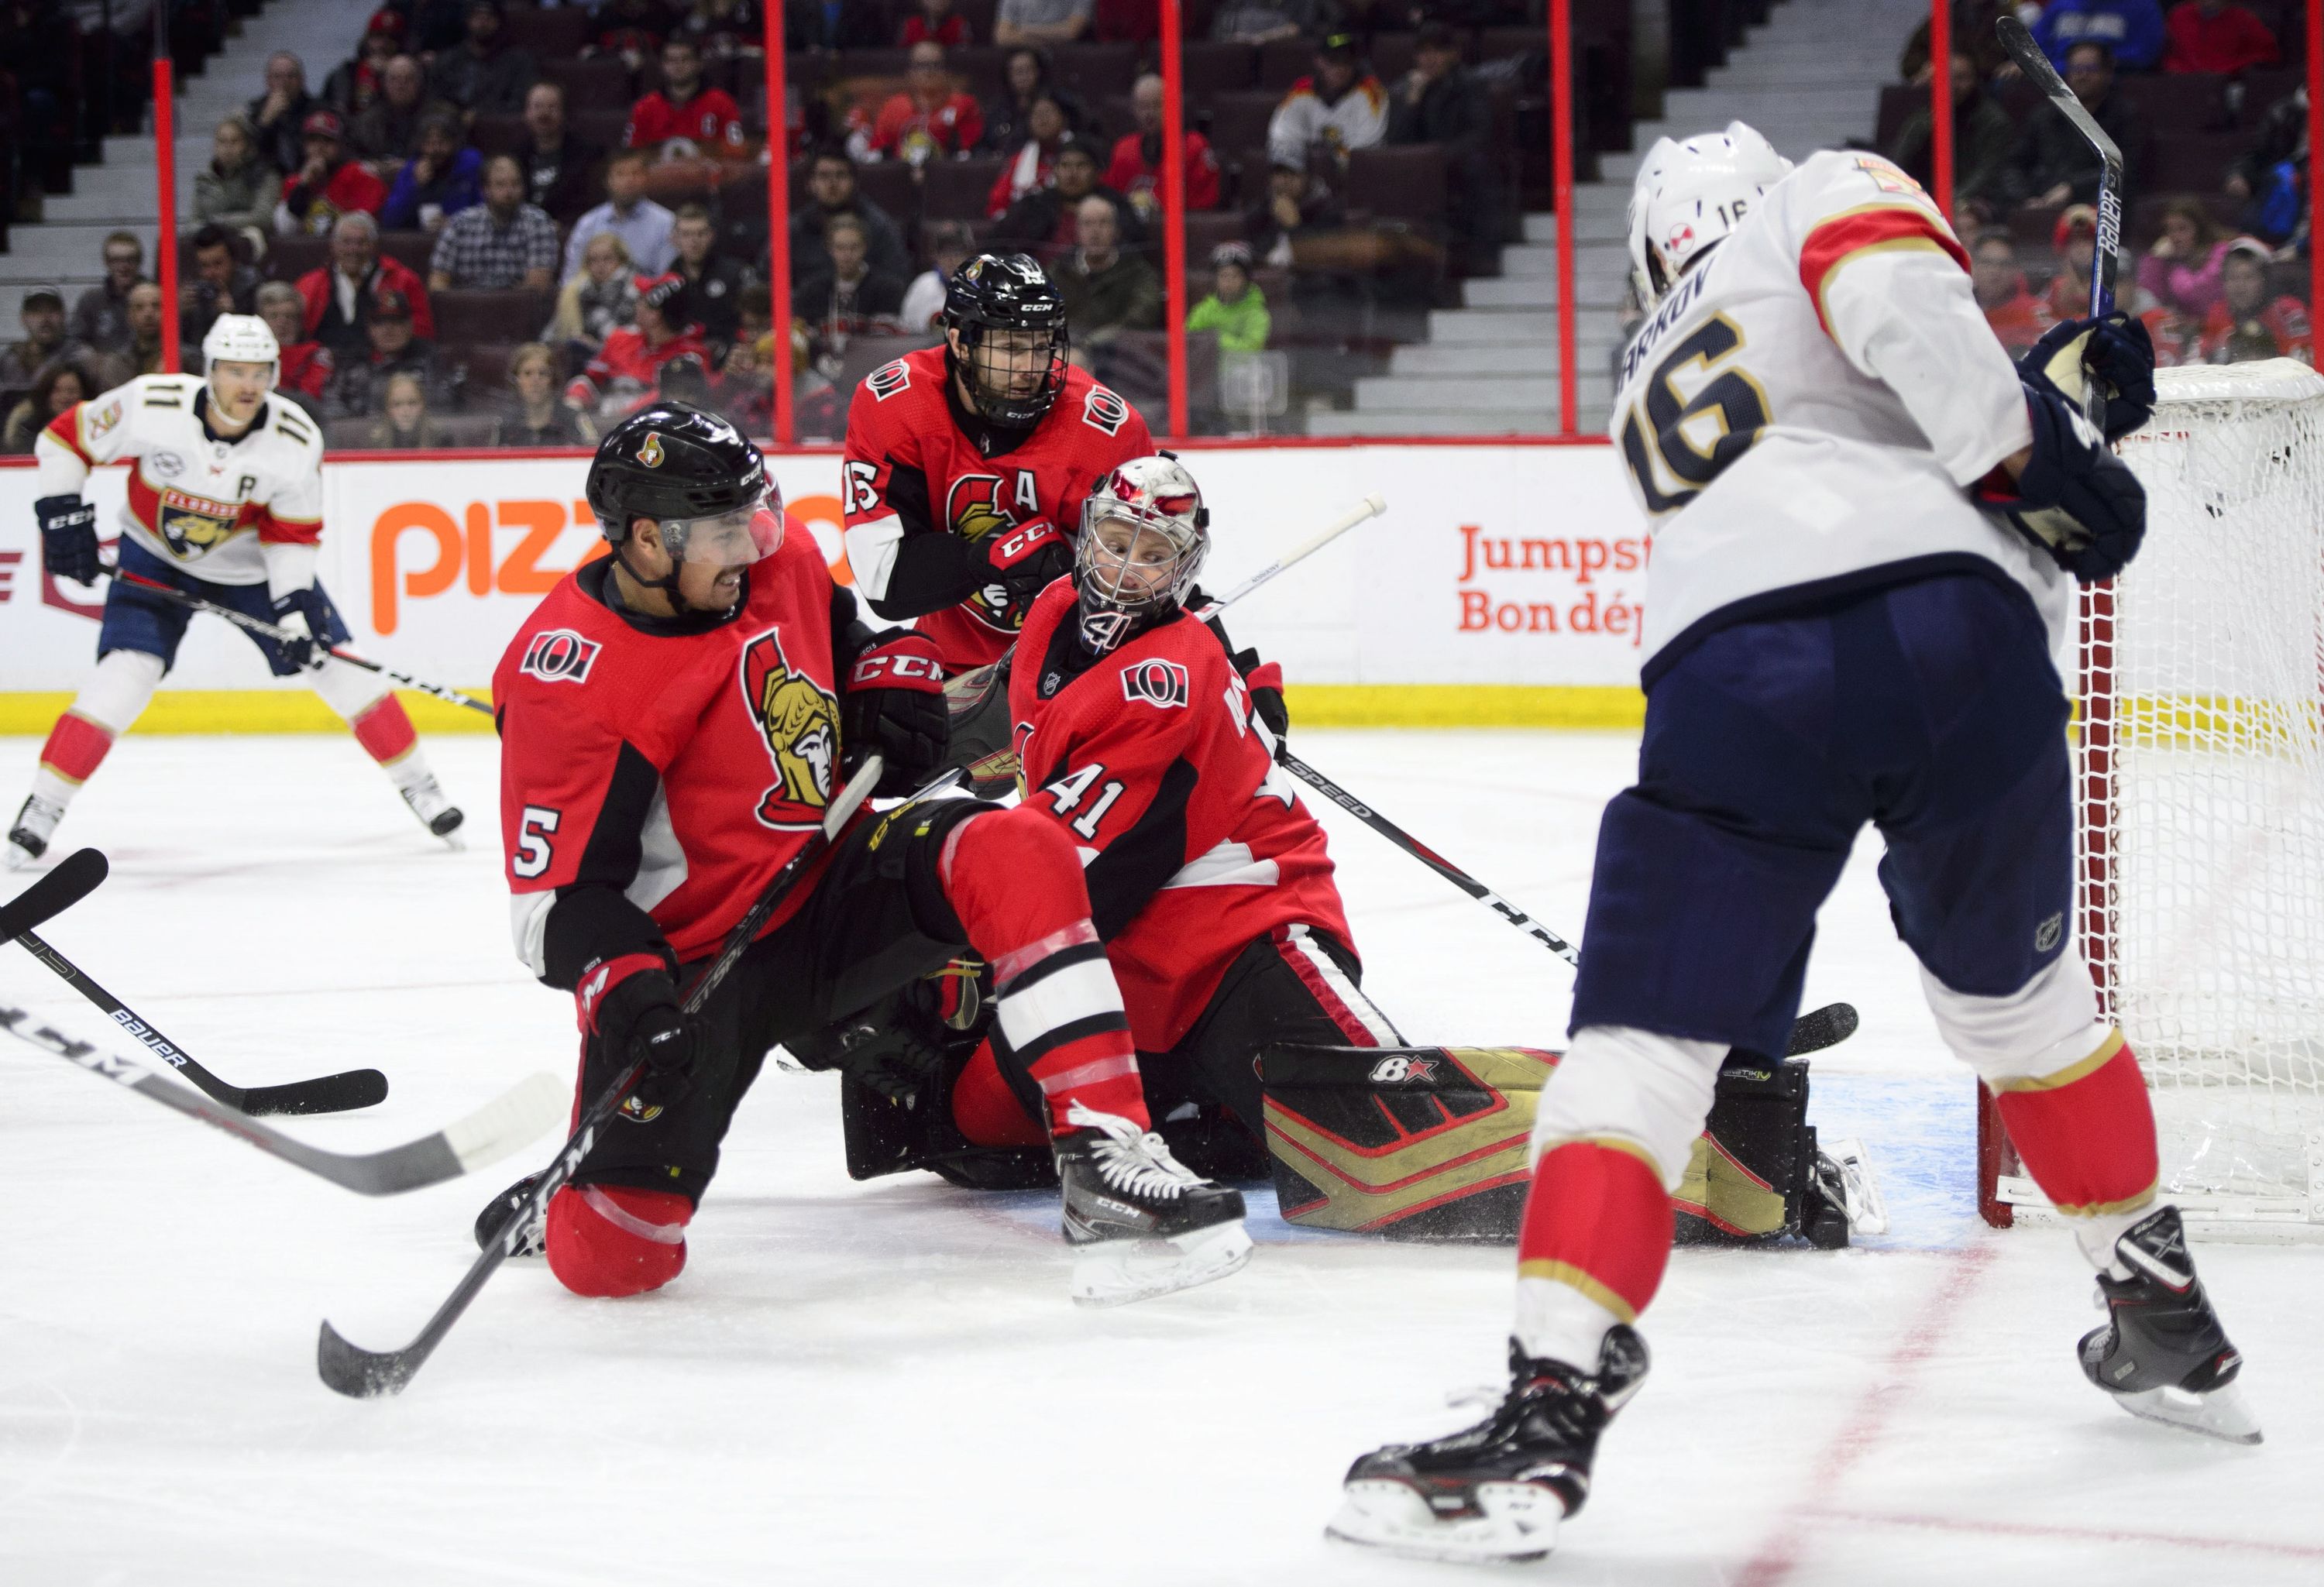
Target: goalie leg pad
column 614, row 1240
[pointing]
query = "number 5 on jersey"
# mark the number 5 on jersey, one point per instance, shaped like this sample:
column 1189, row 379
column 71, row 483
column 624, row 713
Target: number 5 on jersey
column 533, row 851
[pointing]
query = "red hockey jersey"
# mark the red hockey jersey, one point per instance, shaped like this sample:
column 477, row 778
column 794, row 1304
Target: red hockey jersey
column 1192, row 842
column 926, row 486
column 711, row 119
column 654, row 775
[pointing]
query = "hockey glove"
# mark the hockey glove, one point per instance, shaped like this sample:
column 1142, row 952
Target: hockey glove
column 629, row 1005
column 1028, row 560
column 2076, row 499
column 977, row 702
column 68, row 537
column 895, row 705
column 895, row 1046
column 308, row 615
column 1263, row 679
column 2113, row 350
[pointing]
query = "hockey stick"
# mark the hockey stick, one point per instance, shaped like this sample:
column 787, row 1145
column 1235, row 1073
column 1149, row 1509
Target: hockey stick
column 492, row 1132
column 1372, row 506
column 450, row 696
column 74, row 878
column 365, row 1374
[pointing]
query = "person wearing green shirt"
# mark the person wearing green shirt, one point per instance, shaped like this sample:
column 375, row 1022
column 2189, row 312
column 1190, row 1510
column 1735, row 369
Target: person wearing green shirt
column 1235, row 310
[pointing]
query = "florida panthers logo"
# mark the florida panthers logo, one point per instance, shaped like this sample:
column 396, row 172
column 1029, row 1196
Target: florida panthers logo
column 799, row 720
column 192, row 525
column 977, row 510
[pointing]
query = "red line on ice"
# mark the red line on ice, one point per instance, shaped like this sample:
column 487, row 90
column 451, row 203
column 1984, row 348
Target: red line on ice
column 2073, row 1534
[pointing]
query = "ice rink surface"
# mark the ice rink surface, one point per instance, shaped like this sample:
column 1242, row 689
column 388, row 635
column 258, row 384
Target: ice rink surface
column 884, row 1383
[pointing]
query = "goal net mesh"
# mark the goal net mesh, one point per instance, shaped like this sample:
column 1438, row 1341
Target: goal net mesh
column 2202, row 778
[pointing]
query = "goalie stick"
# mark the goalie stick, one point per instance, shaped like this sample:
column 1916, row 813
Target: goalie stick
column 366, row 1374
column 76, row 876
column 491, row 1133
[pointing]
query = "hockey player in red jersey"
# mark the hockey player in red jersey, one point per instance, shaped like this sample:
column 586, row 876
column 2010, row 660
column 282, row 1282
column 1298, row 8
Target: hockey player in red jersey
column 675, row 719
column 966, row 464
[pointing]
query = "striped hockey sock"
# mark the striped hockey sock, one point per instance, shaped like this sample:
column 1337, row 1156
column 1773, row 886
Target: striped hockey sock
column 1591, row 1249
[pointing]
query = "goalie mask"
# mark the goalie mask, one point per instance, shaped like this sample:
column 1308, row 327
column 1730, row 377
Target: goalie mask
column 1145, row 533
column 241, row 338
column 1689, row 196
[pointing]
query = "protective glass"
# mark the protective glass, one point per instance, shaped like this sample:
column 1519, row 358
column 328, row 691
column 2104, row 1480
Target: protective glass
column 748, row 534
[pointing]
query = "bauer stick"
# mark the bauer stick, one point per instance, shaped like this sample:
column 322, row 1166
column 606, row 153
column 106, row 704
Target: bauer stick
column 73, row 880
column 450, row 696
column 365, row 1374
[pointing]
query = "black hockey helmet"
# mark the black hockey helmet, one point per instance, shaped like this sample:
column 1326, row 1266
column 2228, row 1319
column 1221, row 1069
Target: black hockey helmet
column 693, row 474
column 1006, row 292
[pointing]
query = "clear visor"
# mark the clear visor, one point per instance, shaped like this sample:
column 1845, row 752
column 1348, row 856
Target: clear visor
column 732, row 540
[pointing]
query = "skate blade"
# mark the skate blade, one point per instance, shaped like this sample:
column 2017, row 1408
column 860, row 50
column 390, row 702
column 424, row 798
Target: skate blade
column 2221, row 1413
column 1118, row 1272
column 1519, row 1523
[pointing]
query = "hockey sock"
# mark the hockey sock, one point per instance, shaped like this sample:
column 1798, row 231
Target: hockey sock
column 1015, row 882
column 985, row 1110
column 377, row 719
column 1590, row 1252
column 2086, row 1133
column 613, row 1240
column 114, row 697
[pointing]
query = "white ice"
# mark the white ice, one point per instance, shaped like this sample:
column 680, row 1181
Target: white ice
column 884, row 1383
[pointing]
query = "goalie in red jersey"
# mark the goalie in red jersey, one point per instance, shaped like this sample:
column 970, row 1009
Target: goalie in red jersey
column 967, row 464
column 675, row 719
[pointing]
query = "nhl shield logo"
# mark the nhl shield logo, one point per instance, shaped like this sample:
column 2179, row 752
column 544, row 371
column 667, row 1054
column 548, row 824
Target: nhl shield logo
column 799, row 721
column 559, row 655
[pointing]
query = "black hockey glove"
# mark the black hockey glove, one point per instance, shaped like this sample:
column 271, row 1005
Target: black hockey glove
column 1028, row 560
column 2076, row 499
column 1263, row 679
column 980, row 738
column 630, row 1005
column 895, row 1047
column 314, row 613
column 2114, row 351
column 68, row 537
column 895, row 705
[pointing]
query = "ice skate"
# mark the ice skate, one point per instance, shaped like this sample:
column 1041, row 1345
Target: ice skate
column 2162, row 1355
column 28, row 839
column 1140, row 1224
column 493, row 1220
column 1495, row 1492
column 436, row 813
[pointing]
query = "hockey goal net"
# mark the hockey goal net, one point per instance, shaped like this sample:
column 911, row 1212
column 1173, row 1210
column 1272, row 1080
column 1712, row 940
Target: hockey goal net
column 2200, row 778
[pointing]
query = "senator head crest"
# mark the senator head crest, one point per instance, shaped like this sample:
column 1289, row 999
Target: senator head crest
column 799, row 721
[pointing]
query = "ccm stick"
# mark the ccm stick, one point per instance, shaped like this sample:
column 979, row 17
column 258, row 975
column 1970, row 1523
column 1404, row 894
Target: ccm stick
column 365, row 1374
column 74, row 878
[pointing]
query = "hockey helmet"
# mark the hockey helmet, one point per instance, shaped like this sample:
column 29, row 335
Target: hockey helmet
column 1145, row 534
column 1012, row 320
column 1689, row 195
column 241, row 339
column 699, row 479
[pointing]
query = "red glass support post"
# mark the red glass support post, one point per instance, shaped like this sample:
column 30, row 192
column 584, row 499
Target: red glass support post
column 2315, row 140
column 165, row 170
column 779, row 227
column 1174, row 206
column 1560, row 138
column 1941, row 103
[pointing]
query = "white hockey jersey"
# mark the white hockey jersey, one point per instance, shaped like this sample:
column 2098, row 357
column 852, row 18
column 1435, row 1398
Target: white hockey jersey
column 1806, row 408
column 248, row 510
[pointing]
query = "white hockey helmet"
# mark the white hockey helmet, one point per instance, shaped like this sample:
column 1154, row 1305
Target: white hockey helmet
column 1122, row 588
column 242, row 338
column 1689, row 195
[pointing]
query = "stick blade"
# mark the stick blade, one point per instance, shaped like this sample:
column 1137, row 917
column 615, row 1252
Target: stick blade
column 75, row 877
column 527, row 1111
column 1819, row 1028
column 359, row 1373
column 327, row 1093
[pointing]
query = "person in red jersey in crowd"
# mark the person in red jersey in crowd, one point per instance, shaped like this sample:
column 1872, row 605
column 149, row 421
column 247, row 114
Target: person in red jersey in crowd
column 2246, row 323
column 2214, row 35
column 2017, row 317
column 1137, row 168
column 629, row 367
column 930, row 120
column 935, row 20
column 684, row 111
column 329, row 185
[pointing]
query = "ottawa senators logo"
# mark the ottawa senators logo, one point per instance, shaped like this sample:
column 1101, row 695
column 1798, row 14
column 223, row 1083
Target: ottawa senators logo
column 1155, row 681
column 650, row 451
column 800, row 722
column 559, row 655
column 976, row 510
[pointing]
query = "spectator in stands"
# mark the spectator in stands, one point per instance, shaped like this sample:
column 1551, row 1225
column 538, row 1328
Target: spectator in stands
column 950, row 246
column 307, row 364
column 278, row 115
column 1297, row 206
column 391, row 347
column 1236, row 310
column 480, row 74
column 630, row 28
column 501, row 243
column 219, row 284
column 355, row 83
column 850, row 297
column 713, row 282
column 1339, row 107
column 1025, row 78
column 2075, row 240
column 404, row 425
column 1045, row 222
column 445, row 177
column 596, row 299
column 1982, row 139
column 836, row 24
column 2182, row 268
column 686, row 115
column 1137, row 169
column 557, row 163
column 2052, row 163
column 59, row 385
column 627, row 370
column 930, row 119
column 100, row 318
column 2270, row 175
column 642, row 225
column 2246, row 323
column 533, row 415
column 1032, row 164
column 934, row 21
column 831, row 192
column 2016, row 316
column 721, row 29
column 746, row 393
column 1441, row 102
column 1269, row 22
column 1107, row 289
column 143, row 353
column 41, row 313
column 2131, row 28
column 328, row 184
column 1041, row 21
column 1973, row 35
column 2215, row 36
column 236, row 188
column 387, row 133
column 341, row 295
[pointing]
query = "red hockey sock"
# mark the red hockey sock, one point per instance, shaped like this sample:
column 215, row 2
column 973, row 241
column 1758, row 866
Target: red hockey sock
column 986, row 1111
column 612, row 1239
column 383, row 729
column 1598, row 1220
column 77, row 747
column 1015, row 882
column 2086, row 1133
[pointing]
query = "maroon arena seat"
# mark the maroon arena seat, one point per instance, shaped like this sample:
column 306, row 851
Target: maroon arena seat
column 1284, row 62
column 409, row 249
column 289, row 258
column 594, row 84
column 888, row 183
column 464, row 318
column 554, row 35
column 1238, row 121
column 956, row 189
column 1091, row 72
column 1407, row 182
column 1215, row 68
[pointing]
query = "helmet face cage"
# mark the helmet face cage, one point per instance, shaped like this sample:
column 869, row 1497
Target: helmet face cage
column 1152, row 513
column 1009, row 294
column 991, row 370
